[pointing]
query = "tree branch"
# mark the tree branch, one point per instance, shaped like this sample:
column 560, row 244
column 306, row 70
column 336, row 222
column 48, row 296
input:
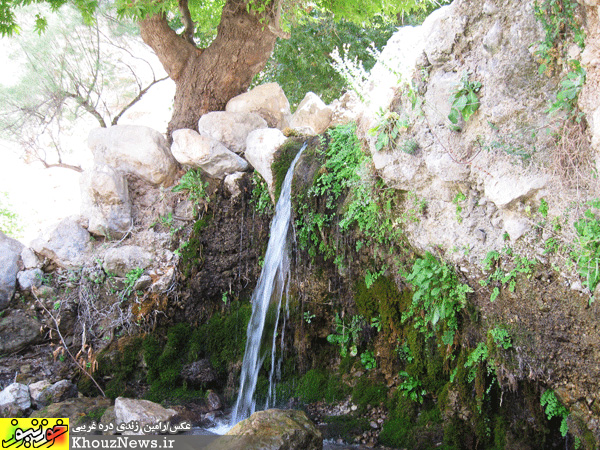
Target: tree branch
column 135, row 100
column 89, row 108
column 173, row 52
column 188, row 23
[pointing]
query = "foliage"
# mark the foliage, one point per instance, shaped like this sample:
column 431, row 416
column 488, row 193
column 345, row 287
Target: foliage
column 459, row 198
column 560, row 26
column 367, row 358
column 558, row 19
column 521, row 265
column 73, row 74
column 554, row 408
column 347, row 335
column 9, row 221
column 501, row 337
column 387, row 130
column 412, row 388
column 438, row 296
column 302, row 63
column 192, row 183
column 464, row 100
column 308, row 317
column 367, row 393
column 543, row 208
column 587, row 252
column 130, row 279
column 261, row 200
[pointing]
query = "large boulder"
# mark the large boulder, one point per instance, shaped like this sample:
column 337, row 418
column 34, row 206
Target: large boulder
column 122, row 260
column 230, row 128
column 10, row 253
column 268, row 100
column 14, row 400
column 44, row 393
column 77, row 410
column 17, row 331
column 105, row 201
column 199, row 373
column 65, row 243
column 143, row 411
column 210, row 155
column 260, row 152
column 134, row 149
column 273, row 429
column 312, row 113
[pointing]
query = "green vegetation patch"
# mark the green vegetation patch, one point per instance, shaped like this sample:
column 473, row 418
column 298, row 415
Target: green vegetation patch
column 282, row 161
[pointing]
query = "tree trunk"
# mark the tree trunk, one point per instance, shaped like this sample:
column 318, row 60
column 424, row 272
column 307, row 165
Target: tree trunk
column 206, row 79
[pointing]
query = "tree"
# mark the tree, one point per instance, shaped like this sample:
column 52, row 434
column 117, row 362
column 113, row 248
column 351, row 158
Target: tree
column 206, row 77
column 72, row 71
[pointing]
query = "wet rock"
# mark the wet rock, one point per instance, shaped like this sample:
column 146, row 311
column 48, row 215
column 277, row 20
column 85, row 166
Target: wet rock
column 77, row 410
column 14, row 400
column 122, row 260
column 199, row 372
column 165, row 281
column 268, row 100
column 134, row 149
column 105, row 202
column 17, row 331
column 213, row 401
column 260, row 152
column 143, row 411
column 30, row 278
column 66, row 244
column 312, row 113
column 10, row 254
column 273, row 429
column 192, row 149
column 230, row 128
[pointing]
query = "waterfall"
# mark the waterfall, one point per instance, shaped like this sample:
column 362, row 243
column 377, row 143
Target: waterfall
column 266, row 299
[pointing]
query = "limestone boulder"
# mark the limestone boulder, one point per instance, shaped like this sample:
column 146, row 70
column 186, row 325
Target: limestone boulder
column 134, row 149
column 268, row 100
column 14, row 400
column 30, row 278
column 143, row 411
column 10, row 255
column 65, row 243
column 194, row 150
column 17, row 331
column 30, row 259
column 312, row 113
column 122, row 260
column 105, row 201
column 230, row 128
column 44, row 393
column 274, row 429
column 260, row 152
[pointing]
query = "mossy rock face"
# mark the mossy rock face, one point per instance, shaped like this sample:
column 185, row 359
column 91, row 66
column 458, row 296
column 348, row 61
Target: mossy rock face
column 282, row 160
column 77, row 410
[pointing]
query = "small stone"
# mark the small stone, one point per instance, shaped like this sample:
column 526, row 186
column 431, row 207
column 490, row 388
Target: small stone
column 354, row 407
column 142, row 283
column 374, row 425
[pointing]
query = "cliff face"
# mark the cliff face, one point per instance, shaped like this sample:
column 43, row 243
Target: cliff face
column 511, row 178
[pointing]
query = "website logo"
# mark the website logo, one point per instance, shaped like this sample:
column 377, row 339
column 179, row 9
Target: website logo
column 35, row 433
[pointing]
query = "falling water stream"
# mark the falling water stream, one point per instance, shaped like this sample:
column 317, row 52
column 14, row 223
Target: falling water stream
column 266, row 305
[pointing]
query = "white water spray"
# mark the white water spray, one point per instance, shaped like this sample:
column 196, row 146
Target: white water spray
column 266, row 298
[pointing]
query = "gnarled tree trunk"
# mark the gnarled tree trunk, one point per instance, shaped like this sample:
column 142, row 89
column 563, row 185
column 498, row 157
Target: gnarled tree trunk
column 206, row 79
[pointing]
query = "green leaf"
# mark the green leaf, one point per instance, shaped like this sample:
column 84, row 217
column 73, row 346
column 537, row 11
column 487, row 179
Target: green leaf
column 454, row 116
column 460, row 103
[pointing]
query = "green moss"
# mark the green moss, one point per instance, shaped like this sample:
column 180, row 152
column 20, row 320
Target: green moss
column 191, row 251
column 282, row 162
column 406, row 429
column 311, row 387
column 382, row 299
column 119, row 363
column 368, row 393
column 223, row 338
column 336, row 389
